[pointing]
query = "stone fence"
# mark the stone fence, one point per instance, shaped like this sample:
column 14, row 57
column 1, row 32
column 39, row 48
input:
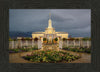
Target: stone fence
column 62, row 44
column 79, row 43
column 22, row 44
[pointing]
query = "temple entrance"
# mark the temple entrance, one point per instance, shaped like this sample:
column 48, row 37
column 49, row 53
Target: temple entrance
column 50, row 43
column 50, row 39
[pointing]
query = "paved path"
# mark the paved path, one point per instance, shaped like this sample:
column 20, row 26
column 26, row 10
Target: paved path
column 17, row 57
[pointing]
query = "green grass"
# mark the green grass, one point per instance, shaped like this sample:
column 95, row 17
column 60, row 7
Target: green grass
column 22, row 50
column 14, row 50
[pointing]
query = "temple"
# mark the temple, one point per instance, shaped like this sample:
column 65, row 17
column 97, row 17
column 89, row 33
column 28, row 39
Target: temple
column 49, row 33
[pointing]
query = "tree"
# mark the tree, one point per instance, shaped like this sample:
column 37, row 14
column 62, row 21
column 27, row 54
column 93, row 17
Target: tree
column 71, row 38
column 64, row 39
column 77, row 39
column 27, row 38
column 10, row 39
column 56, row 39
column 89, row 38
column 86, row 38
column 35, row 39
column 44, row 39
column 14, row 39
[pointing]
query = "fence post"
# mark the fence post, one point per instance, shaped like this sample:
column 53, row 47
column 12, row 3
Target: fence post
column 74, row 42
column 60, row 44
column 21, row 43
column 79, row 43
column 12, row 44
column 39, row 44
column 15, row 44
column 26, row 43
column 87, row 44
column 32, row 43
column 67, row 43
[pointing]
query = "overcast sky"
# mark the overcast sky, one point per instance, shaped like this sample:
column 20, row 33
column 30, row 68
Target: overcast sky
column 76, row 22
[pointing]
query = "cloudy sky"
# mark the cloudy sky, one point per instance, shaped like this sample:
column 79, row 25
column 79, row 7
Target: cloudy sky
column 77, row 22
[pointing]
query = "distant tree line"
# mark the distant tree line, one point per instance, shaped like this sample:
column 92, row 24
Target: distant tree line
column 26, row 38
column 84, row 39
column 56, row 39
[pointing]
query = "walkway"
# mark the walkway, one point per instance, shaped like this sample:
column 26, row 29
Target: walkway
column 85, row 57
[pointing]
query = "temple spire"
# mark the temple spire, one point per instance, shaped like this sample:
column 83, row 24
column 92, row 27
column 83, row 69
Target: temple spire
column 50, row 21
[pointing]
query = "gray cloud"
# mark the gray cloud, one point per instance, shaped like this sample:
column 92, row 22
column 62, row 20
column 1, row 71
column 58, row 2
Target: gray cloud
column 68, row 20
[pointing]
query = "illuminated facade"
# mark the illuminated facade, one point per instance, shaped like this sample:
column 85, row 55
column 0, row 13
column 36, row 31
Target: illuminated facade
column 50, row 33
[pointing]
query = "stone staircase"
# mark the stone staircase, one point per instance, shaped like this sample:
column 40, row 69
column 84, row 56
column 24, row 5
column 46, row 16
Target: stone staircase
column 54, row 47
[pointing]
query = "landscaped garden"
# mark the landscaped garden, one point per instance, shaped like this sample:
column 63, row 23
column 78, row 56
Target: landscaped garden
column 85, row 50
column 50, row 57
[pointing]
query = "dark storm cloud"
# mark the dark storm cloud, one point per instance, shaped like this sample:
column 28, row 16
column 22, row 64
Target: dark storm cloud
column 73, row 21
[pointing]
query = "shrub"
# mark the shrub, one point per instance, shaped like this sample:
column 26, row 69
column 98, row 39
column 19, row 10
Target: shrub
column 10, row 39
column 86, row 50
column 44, row 39
column 64, row 39
column 86, row 38
column 14, row 50
column 35, row 48
column 22, row 50
column 71, row 38
column 36, row 39
column 56, row 39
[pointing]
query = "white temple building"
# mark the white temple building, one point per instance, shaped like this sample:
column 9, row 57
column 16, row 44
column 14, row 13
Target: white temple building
column 49, row 33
